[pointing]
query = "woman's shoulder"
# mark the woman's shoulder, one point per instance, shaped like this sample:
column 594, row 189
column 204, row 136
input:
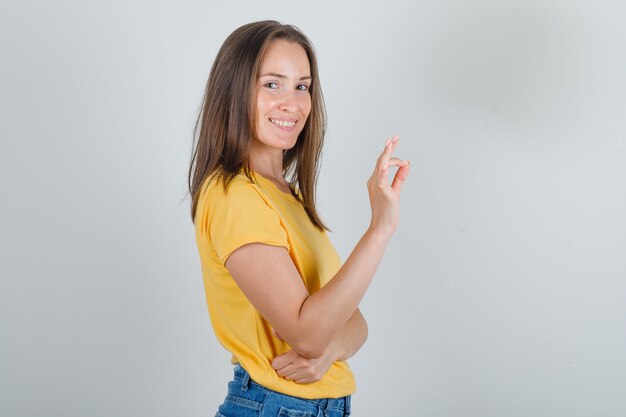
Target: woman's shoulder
column 239, row 196
column 217, row 186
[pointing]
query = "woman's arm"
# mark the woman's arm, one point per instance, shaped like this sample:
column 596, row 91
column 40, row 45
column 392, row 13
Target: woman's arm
column 294, row 367
column 269, row 279
column 351, row 337
column 349, row 340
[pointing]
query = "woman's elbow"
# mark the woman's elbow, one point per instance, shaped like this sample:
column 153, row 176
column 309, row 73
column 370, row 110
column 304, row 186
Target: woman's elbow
column 310, row 349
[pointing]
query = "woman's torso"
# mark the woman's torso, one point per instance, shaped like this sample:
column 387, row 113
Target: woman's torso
column 251, row 212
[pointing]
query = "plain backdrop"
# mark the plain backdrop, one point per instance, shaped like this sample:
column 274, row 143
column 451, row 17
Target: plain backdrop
column 503, row 293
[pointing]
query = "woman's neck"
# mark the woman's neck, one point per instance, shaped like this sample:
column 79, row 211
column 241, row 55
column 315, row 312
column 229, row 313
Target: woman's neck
column 268, row 163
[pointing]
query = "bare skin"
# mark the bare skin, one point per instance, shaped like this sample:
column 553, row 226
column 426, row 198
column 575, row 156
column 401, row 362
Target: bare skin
column 326, row 326
column 295, row 367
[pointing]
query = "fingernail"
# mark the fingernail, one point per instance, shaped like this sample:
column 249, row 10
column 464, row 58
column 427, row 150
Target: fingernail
column 395, row 138
column 387, row 143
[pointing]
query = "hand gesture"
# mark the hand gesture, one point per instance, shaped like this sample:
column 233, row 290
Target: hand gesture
column 385, row 198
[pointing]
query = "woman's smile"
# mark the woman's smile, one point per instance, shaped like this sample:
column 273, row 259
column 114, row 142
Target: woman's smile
column 283, row 124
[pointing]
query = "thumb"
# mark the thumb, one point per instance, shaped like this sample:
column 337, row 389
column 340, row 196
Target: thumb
column 401, row 176
column 281, row 361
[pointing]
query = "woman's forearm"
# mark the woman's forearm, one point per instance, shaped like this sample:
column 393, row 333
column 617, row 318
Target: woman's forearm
column 351, row 337
column 327, row 311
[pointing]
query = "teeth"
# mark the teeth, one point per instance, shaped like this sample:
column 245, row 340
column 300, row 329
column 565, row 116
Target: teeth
column 282, row 123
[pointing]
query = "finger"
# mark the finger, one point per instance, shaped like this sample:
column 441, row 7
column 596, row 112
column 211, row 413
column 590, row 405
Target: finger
column 305, row 381
column 281, row 361
column 394, row 161
column 286, row 371
column 296, row 375
column 382, row 177
column 386, row 155
column 389, row 146
column 400, row 178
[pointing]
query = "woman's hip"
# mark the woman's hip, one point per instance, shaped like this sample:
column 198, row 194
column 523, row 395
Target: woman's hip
column 246, row 398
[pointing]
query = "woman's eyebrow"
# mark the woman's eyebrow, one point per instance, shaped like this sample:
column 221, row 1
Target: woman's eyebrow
column 273, row 74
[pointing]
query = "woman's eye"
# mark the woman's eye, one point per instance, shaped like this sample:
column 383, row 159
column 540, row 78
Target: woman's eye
column 271, row 85
column 303, row 87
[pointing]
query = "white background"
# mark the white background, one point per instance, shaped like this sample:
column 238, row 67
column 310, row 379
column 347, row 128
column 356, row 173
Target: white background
column 502, row 294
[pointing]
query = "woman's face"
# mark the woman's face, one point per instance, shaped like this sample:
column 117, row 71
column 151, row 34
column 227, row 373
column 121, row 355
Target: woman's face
column 283, row 102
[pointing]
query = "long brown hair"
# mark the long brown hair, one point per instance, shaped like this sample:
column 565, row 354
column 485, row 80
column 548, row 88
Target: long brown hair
column 224, row 130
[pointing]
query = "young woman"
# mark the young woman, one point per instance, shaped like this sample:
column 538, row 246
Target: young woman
column 278, row 297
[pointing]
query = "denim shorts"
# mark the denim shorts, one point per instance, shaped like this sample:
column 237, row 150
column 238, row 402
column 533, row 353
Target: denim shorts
column 246, row 398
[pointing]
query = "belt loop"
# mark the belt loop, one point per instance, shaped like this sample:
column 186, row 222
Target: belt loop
column 245, row 381
column 347, row 406
column 326, row 404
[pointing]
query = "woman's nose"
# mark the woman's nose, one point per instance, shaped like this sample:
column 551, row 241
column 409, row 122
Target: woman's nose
column 289, row 101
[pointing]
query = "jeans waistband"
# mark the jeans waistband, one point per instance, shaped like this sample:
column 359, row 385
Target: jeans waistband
column 342, row 403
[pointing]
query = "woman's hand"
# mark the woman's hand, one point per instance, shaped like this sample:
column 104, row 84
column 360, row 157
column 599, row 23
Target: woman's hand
column 301, row 370
column 385, row 199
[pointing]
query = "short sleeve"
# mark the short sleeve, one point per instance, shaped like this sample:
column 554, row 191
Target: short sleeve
column 240, row 216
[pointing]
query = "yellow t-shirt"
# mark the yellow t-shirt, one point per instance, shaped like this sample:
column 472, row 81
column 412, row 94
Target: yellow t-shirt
column 260, row 212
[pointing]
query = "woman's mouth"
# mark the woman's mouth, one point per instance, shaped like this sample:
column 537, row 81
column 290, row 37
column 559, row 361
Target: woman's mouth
column 287, row 125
